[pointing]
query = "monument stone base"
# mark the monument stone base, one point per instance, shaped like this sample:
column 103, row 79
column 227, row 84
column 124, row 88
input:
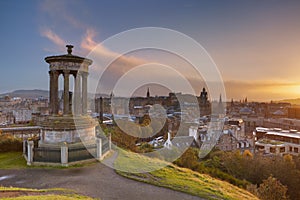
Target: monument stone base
column 68, row 129
column 67, row 139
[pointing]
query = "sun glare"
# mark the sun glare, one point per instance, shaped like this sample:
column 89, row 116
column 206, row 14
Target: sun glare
column 295, row 90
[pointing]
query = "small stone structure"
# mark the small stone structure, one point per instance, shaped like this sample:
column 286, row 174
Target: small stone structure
column 68, row 135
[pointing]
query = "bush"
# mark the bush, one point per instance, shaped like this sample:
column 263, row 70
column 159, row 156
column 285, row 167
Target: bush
column 10, row 143
column 271, row 188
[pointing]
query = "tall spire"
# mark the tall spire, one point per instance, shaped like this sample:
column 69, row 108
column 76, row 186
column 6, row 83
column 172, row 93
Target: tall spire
column 221, row 107
column 148, row 93
column 203, row 96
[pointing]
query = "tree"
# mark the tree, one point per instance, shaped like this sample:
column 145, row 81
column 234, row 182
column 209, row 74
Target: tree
column 189, row 159
column 289, row 161
column 272, row 189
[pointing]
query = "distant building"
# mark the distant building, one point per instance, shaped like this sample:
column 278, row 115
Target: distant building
column 277, row 141
column 234, row 137
column 22, row 115
column 283, row 123
column 181, row 142
column 227, row 142
column 204, row 104
column 294, row 113
column 139, row 106
column 8, row 101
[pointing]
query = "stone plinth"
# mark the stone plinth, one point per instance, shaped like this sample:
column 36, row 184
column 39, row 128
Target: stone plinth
column 69, row 129
column 68, row 136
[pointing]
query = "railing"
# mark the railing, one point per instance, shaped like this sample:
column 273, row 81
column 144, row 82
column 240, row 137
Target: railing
column 65, row 154
column 81, row 153
column 25, row 147
column 105, row 146
column 50, row 155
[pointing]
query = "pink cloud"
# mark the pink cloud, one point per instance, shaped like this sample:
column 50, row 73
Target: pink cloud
column 53, row 37
column 88, row 42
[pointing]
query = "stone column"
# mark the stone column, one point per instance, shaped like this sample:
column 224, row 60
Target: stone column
column 101, row 109
column 55, row 92
column 66, row 92
column 109, row 140
column 99, row 148
column 84, row 93
column 51, row 107
column 29, row 152
column 56, row 103
column 24, row 147
column 77, row 94
column 70, row 102
column 64, row 155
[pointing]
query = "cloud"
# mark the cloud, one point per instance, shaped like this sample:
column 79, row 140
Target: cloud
column 255, row 90
column 61, row 17
column 88, row 42
column 53, row 37
column 59, row 12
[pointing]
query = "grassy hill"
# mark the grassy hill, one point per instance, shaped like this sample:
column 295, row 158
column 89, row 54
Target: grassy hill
column 36, row 93
column 176, row 178
column 169, row 176
column 12, row 193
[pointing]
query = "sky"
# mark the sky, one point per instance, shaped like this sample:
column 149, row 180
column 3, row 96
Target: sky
column 255, row 44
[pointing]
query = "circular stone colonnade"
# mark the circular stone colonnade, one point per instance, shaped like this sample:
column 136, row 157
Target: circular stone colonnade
column 72, row 126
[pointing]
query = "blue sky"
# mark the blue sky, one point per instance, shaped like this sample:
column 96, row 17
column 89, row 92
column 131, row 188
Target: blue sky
column 255, row 44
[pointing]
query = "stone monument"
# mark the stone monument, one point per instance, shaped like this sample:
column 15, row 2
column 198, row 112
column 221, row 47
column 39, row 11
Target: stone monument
column 71, row 125
column 68, row 134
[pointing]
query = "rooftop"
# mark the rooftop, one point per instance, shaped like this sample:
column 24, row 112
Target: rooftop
column 278, row 131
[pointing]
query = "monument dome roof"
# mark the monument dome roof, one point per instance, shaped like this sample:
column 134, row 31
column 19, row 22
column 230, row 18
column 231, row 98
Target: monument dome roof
column 69, row 57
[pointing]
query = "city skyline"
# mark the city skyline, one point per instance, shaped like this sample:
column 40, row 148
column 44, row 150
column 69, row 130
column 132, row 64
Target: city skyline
column 254, row 44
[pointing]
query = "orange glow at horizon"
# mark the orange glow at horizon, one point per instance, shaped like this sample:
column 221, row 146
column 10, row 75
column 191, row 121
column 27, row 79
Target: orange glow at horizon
column 294, row 89
column 262, row 90
column 288, row 91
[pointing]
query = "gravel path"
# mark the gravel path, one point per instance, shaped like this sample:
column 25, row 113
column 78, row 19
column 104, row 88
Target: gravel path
column 96, row 180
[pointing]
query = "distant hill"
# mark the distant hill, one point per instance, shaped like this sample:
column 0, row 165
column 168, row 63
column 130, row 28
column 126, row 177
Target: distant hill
column 36, row 93
column 28, row 94
column 291, row 101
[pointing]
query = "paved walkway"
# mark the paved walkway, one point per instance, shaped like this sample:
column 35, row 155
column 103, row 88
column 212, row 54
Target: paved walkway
column 96, row 180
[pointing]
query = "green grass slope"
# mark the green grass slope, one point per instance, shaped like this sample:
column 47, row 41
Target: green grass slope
column 12, row 160
column 10, row 193
column 176, row 178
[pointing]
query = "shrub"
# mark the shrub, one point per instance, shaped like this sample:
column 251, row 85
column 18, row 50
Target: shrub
column 271, row 188
column 10, row 143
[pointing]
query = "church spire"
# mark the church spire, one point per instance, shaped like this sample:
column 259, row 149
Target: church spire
column 203, row 96
column 148, row 93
